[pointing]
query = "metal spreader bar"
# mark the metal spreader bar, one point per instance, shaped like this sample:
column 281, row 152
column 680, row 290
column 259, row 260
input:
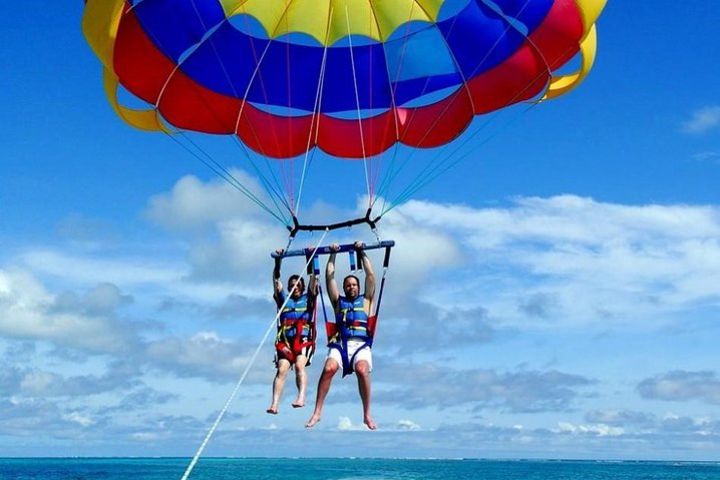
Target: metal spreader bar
column 349, row 247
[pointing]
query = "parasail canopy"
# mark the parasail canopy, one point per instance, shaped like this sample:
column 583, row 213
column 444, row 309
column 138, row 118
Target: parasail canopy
column 350, row 77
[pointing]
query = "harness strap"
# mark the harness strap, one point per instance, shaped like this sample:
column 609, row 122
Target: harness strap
column 291, row 345
column 334, row 334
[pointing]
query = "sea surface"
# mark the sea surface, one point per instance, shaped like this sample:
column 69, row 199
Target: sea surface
column 349, row 469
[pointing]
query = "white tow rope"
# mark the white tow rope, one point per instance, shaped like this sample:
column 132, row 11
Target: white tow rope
column 220, row 416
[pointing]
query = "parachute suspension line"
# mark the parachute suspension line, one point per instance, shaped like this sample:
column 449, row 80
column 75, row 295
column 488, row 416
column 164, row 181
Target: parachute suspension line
column 235, row 390
column 315, row 122
column 385, row 184
column 391, row 177
column 227, row 176
column 386, row 265
column 445, row 163
column 272, row 190
column 322, row 91
column 378, row 159
column 429, row 172
column 272, row 173
column 511, row 120
column 442, row 163
column 287, row 168
column 289, row 172
column 211, row 163
column 317, row 129
column 275, row 188
column 236, row 138
column 357, row 102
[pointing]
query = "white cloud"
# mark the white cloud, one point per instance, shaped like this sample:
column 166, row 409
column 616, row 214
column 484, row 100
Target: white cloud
column 345, row 424
column 407, row 425
column 703, row 120
column 145, row 436
column 707, row 156
column 420, row 249
column 680, row 385
column 27, row 311
column 589, row 260
column 79, row 418
column 599, row 429
column 241, row 251
column 37, row 382
column 520, row 391
column 193, row 205
column 562, row 260
column 102, row 299
column 96, row 270
column 230, row 237
column 205, row 353
column 143, row 274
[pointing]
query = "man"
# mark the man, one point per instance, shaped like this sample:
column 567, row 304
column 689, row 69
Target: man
column 295, row 341
column 350, row 346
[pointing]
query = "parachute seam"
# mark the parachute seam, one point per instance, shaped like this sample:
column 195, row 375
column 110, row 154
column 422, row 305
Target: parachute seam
column 436, row 171
column 225, row 173
column 316, row 114
column 357, row 102
column 207, row 37
column 391, row 88
column 428, row 171
column 427, row 132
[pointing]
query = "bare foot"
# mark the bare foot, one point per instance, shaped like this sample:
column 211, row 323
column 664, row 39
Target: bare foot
column 313, row 421
column 272, row 410
column 298, row 403
column 370, row 423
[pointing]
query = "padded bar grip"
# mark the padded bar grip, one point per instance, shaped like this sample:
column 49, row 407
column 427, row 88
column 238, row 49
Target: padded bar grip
column 386, row 261
column 316, row 265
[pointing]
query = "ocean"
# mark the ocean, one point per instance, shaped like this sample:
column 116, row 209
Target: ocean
column 349, row 469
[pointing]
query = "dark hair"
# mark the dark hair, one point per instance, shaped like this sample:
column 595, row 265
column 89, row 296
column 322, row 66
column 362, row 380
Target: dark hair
column 352, row 276
column 292, row 278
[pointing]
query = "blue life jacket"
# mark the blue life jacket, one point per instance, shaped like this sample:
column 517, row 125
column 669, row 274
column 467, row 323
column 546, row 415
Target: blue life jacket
column 352, row 318
column 351, row 323
column 295, row 311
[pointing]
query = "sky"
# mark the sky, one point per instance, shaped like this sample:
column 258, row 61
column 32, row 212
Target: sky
column 554, row 295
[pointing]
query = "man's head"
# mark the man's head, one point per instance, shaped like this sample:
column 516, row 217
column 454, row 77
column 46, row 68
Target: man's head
column 351, row 286
column 296, row 286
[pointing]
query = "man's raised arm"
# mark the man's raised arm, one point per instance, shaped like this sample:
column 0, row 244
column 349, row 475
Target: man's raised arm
column 369, row 272
column 330, row 284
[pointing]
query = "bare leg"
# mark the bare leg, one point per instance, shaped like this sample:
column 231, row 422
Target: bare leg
column 363, row 376
column 329, row 370
column 278, row 385
column 300, row 381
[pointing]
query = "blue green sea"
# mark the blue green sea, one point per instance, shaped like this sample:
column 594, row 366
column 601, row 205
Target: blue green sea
column 350, row 469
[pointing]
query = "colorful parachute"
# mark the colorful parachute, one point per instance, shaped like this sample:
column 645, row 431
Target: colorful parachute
column 352, row 77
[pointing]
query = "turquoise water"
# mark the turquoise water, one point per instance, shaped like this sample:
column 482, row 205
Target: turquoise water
column 350, row 469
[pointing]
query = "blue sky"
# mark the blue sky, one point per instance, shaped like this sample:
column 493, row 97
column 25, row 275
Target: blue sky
column 554, row 295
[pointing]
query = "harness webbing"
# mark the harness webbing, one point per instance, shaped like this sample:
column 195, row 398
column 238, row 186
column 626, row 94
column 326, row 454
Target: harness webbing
column 292, row 345
column 334, row 331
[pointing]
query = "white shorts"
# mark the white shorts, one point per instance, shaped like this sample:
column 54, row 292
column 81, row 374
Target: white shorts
column 352, row 347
